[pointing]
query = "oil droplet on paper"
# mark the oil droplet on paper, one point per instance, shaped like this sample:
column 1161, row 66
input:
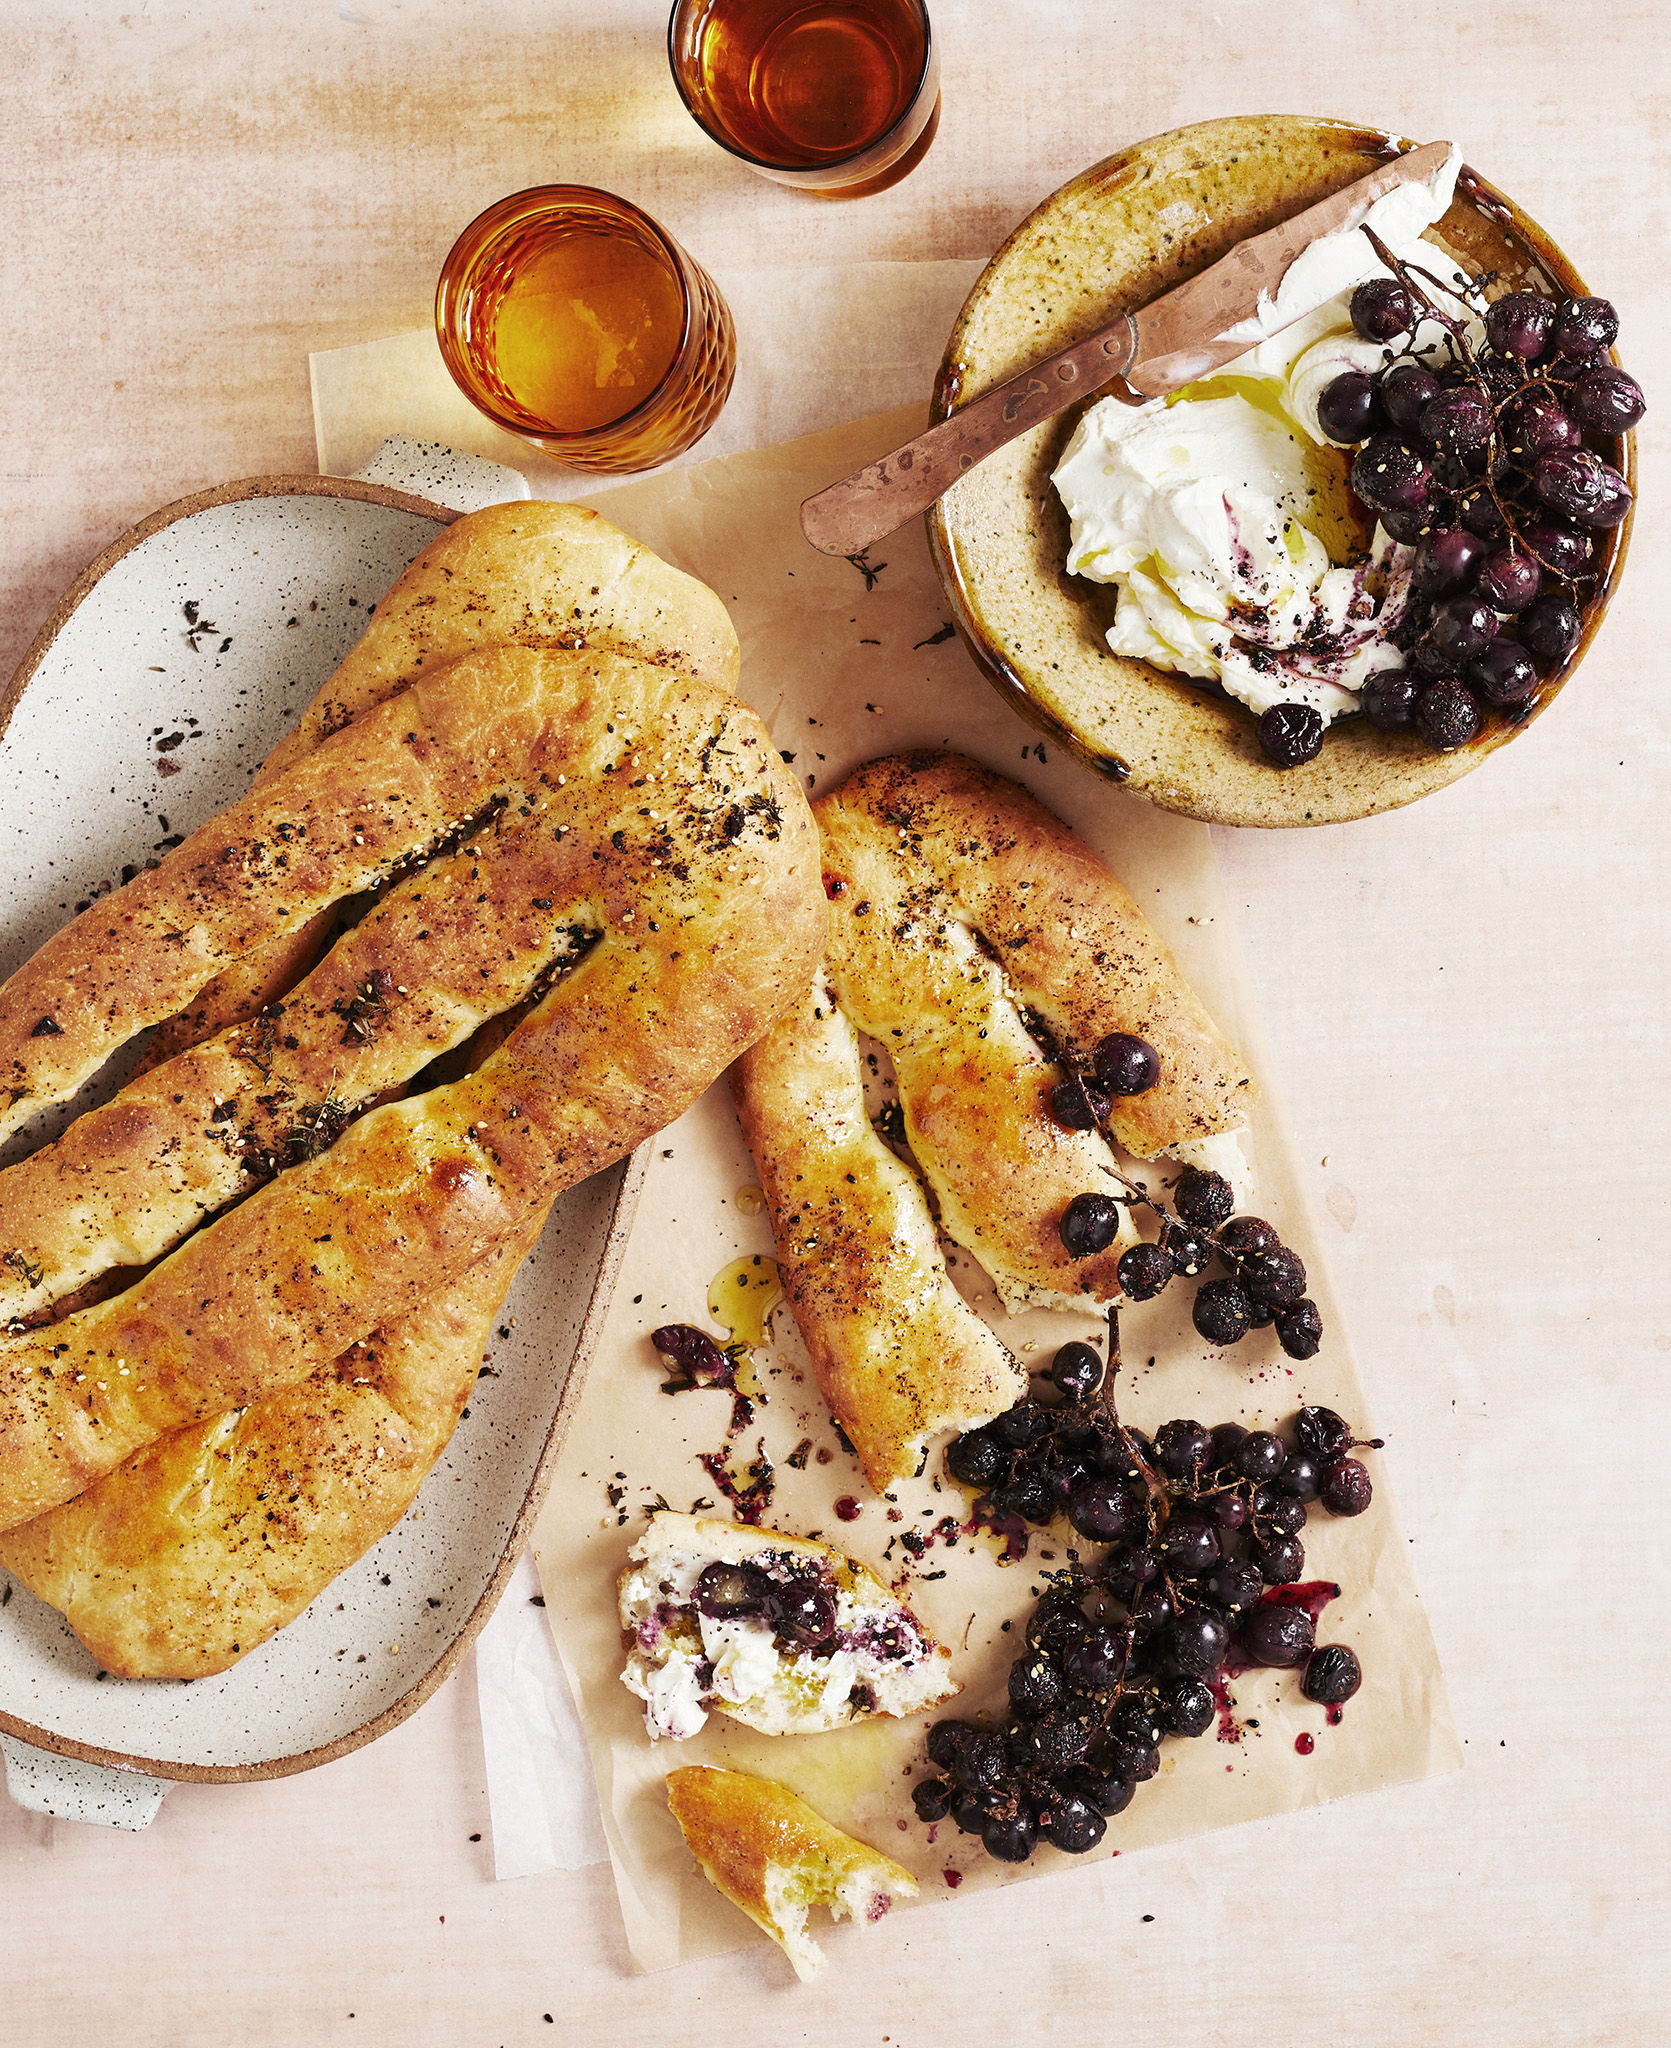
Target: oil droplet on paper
column 749, row 1201
column 743, row 1295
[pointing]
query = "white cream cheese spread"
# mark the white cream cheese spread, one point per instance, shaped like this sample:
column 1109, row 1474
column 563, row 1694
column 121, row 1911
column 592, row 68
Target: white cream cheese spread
column 1204, row 508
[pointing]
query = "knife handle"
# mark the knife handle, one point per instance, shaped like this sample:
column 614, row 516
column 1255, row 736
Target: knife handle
column 845, row 518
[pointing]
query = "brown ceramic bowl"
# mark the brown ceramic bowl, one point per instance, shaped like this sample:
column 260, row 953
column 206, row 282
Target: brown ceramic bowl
column 1118, row 236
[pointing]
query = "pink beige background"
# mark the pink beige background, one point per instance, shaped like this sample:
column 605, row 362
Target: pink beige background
column 1465, row 1003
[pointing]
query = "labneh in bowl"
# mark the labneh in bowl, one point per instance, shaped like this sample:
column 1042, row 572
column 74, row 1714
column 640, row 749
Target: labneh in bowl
column 1117, row 236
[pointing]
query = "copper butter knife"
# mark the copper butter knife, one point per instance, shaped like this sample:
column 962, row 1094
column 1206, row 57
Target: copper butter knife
column 1186, row 334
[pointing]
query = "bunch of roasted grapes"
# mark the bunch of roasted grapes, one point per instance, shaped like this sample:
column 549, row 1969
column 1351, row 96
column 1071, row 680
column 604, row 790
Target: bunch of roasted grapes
column 1200, row 1579
column 1262, row 1283
column 1494, row 455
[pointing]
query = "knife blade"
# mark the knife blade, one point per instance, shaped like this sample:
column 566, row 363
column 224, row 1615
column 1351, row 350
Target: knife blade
column 1186, row 334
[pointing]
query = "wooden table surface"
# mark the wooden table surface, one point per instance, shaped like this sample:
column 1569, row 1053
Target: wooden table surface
column 1467, row 1002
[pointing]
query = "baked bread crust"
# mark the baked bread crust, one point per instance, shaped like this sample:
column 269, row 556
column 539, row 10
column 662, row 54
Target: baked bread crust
column 898, row 1353
column 710, row 917
column 202, row 1546
column 774, row 1856
column 534, row 572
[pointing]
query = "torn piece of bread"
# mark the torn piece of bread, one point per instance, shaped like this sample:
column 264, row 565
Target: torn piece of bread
column 898, row 1353
column 780, row 1632
column 772, row 1855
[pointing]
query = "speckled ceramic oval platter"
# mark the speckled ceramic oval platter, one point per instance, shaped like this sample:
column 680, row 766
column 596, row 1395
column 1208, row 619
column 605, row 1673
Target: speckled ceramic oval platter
column 1116, row 237
column 152, row 694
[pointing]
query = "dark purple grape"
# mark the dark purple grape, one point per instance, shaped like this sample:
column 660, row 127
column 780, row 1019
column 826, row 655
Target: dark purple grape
column 1260, row 1314
column 1291, row 734
column 1456, row 420
column 1108, row 1794
column 975, row 1457
column 1388, row 699
column 1562, row 549
column 1481, row 514
column 1232, row 1582
column 1281, row 1637
column 1071, row 1824
column 1407, row 388
column 1262, row 1455
column 1275, row 1277
column 969, row 1813
column 1518, row 324
column 1032, row 1494
column 1279, row 1560
column 1057, row 1621
column 1301, row 1478
column 1220, row 1313
column 1228, row 1439
column 1193, row 1644
column 1504, row 675
column 1608, row 399
column 1104, row 1510
column 1203, row 1199
column 1027, row 1423
column 1349, row 407
column 1189, row 1544
column 944, row 1740
column 1134, row 1721
column 1077, row 1370
column 1381, row 309
column 1190, row 1254
column 1229, row 1511
column 1153, row 1606
column 724, row 1591
column 1322, row 1433
column 1550, row 628
column 1583, row 328
column 1182, row 1448
column 1611, row 507
column 1187, row 1707
column 932, row 1799
column 1332, row 1675
column 1299, row 1328
column 1538, row 425
column 1036, row 1686
column 979, row 1762
column 1079, row 1105
column 1446, row 561
column 1390, row 476
column 1462, row 626
column 1346, row 1488
column 804, row 1610
column 1244, row 1237
column 1279, row 1511
column 1570, row 481
column 1144, row 1271
column 1447, row 716
column 692, row 1350
column 1408, row 527
column 1090, row 1223
column 1097, row 1662
column 1056, row 1742
column 1011, row 1838
column 1126, row 1064
column 1127, row 1572
column 1508, row 579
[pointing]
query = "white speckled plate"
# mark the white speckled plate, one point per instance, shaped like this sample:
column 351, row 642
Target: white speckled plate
column 156, row 688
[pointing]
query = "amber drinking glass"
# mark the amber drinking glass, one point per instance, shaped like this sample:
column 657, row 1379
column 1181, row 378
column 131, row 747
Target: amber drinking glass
column 571, row 319
column 838, row 97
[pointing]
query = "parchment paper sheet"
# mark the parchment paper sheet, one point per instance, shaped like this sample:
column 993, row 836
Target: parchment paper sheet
column 844, row 672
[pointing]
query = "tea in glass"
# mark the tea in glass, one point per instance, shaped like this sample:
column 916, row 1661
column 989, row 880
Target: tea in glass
column 836, row 96
column 569, row 317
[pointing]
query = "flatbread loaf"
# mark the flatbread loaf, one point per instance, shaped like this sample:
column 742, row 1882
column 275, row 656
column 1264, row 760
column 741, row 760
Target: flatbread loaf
column 772, row 1855
column 710, row 919
column 979, row 943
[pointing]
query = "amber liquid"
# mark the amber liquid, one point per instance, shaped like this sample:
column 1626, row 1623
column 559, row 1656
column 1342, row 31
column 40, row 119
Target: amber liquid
column 799, row 84
column 585, row 328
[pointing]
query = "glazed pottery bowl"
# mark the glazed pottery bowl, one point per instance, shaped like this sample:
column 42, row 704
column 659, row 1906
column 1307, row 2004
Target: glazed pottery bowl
column 1118, row 236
